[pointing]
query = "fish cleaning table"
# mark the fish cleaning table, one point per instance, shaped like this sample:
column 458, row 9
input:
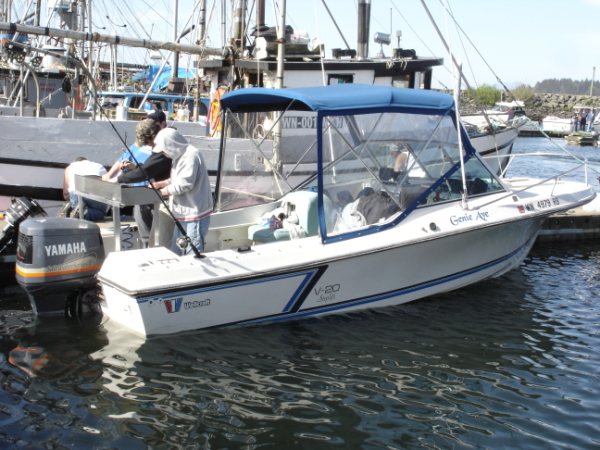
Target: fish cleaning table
column 118, row 196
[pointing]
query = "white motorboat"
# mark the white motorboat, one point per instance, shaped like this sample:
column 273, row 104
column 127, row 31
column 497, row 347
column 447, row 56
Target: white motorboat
column 553, row 125
column 562, row 126
column 502, row 114
column 353, row 234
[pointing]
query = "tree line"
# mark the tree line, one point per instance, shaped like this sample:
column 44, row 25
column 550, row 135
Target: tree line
column 566, row 86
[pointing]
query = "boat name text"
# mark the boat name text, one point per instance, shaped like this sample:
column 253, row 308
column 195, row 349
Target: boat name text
column 468, row 217
column 67, row 248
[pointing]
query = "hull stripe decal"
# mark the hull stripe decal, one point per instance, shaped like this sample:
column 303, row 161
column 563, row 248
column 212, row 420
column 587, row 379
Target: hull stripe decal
column 385, row 296
column 308, row 275
column 296, row 302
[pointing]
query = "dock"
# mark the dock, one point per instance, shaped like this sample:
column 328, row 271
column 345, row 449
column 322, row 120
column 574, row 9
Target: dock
column 574, row 224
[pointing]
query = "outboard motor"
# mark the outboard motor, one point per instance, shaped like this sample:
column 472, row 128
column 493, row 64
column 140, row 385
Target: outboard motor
column 57, row 263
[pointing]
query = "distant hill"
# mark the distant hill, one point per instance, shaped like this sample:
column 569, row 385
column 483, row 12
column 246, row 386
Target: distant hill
column 566, row 86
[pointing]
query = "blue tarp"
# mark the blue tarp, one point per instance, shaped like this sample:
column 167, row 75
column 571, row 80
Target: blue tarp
column 162, row 82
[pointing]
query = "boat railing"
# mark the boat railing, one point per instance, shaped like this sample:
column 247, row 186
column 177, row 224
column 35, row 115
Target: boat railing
column 593, row 167
column 581, row 164
column 554, row 178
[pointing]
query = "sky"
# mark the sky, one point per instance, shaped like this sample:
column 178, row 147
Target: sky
column 514, row 41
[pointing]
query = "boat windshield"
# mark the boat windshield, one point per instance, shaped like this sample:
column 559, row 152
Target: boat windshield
column 375, row 167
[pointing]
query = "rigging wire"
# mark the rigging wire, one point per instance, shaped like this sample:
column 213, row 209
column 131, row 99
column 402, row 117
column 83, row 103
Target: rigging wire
column 476, row 49
column 455, row 62
column 462, row 43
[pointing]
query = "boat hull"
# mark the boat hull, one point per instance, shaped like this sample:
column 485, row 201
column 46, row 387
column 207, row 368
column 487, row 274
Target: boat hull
column 496, row 148
column 556, row 126
column 374, row 279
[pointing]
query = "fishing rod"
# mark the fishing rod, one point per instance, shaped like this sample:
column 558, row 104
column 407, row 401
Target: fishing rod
column 186, row 239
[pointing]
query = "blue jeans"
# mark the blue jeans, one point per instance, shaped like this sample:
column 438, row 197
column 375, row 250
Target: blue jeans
column 92, row 209
column 196, row 231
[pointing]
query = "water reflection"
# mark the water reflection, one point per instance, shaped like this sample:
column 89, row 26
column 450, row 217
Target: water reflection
column 561, row 161
column 512, row 361
column 355, row 379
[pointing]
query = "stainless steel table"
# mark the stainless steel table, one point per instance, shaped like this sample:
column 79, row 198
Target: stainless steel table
column 117, row 195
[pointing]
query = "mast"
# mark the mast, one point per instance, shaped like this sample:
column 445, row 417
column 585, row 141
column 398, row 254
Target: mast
column 175, row 71
column 238, row 33
column 38, row 13
column 202, row 24
column 201, row 42
column 91, row 44
column 260, row 15
column 5, row 10
column 277, row 131
column 223, row 24
column 280, row 46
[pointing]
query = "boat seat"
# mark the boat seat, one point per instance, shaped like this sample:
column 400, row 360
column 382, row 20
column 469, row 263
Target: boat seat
column 302, row 218
column 477, row 186
column 409, row 194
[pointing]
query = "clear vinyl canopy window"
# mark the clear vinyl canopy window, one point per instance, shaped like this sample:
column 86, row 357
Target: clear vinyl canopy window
column 374, row 166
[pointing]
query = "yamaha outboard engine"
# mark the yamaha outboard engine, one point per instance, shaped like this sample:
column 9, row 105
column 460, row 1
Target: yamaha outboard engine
column 57, row 263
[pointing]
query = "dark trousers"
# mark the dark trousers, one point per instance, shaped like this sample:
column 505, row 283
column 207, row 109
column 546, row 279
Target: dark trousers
column 143, row 215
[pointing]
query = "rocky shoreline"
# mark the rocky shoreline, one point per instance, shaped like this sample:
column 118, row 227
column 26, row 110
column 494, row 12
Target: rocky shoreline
column 539, row 106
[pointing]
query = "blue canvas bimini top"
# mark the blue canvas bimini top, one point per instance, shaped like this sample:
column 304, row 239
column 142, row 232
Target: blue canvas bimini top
column 340, row 97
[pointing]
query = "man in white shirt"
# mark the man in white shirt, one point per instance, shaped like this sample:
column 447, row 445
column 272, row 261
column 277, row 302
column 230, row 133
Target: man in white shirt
column 92, row 210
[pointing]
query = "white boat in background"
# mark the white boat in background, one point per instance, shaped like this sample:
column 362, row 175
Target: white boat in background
column 502, row 114
column 562, row 126
column 556, row 126
column 350, row 236
column 304, row 64
column 35, row 151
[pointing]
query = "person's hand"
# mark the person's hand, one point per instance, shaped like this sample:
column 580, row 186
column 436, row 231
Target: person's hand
column 159, row 184
column 127, row 165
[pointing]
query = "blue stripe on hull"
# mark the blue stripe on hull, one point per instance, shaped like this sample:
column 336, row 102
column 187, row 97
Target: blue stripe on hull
column 309, row 276
column 384, row 296
column 291, row 310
